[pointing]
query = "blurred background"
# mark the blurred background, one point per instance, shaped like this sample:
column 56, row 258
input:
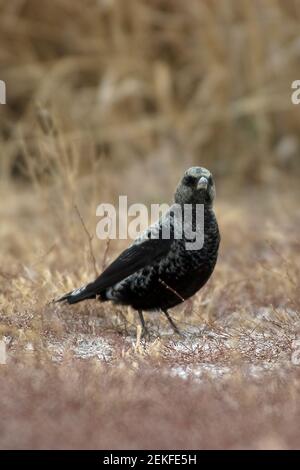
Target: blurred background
column 163, row 83
column 110, row 97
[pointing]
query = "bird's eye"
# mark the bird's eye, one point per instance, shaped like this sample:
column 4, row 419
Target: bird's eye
column 189, row 180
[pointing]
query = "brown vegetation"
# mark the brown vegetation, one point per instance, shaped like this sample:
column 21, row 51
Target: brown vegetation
column 101, row 94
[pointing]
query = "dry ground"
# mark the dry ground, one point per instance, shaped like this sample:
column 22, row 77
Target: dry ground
column 112, row 97
column 79, row 377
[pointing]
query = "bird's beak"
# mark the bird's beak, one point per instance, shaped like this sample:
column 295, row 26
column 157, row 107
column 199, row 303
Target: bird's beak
column 202, row 183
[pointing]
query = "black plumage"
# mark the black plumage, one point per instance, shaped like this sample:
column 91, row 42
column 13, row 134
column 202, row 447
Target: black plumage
column 157, row 273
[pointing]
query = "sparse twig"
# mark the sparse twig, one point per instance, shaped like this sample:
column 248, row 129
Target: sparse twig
column 104, row 259
column 41, row 258
column 90, row 238
column 171, row 289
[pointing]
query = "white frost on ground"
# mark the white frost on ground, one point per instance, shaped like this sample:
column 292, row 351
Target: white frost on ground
column 83, row 347
column 92, row 347
column 198, row 371
column 202, row 371
column 202, row 353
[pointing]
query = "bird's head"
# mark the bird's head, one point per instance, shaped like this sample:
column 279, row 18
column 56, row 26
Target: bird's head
column 196, row 187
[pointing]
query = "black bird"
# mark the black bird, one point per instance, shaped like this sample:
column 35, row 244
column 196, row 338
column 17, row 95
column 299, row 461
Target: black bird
column 157, row 271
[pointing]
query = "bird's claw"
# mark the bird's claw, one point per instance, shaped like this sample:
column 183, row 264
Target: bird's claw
column 145, row 334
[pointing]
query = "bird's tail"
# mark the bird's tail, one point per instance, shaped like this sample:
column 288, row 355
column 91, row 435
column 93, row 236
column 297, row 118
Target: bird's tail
column 77, row 295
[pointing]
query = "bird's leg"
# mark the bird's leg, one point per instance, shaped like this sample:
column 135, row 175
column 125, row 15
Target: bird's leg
column 176, row 330
column 142, row 320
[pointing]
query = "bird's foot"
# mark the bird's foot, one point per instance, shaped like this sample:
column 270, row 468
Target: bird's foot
column 175, row 328
column 146, row 334
column 178, row 332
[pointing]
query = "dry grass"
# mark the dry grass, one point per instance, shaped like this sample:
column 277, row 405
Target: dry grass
column 122, row 79
column 101, row 94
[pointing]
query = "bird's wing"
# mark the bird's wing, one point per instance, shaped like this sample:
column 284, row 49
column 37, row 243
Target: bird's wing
column 145, row 250
column 142, row 253
column 134, row 258
column 151, row 246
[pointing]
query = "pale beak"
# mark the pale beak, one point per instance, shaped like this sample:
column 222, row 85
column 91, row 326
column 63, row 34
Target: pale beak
column 202, row 183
